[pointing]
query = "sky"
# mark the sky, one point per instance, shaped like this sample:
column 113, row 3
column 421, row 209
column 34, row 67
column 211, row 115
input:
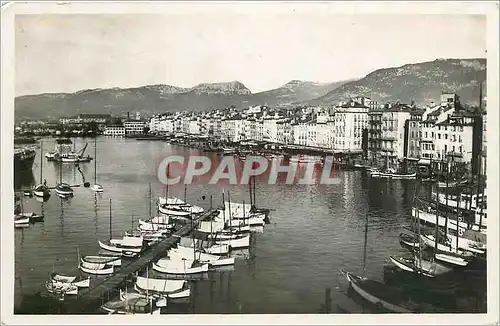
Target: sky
column 67, row 52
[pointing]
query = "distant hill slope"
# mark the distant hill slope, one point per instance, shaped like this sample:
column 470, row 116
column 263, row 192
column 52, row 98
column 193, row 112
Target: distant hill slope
column 161, row 98
column 420, row 82
column 295, row 91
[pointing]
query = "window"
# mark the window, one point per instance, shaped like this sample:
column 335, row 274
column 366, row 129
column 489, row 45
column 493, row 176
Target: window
column 432, row 134
column 460, row 149
column 426, row 134
column 412, row 134
column 445, row 148
column 459, row 138
column 439, row 136
column 445, row 136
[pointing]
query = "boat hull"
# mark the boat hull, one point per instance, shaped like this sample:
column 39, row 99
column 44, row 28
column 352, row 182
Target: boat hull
column 97, row 271
column 357, row 284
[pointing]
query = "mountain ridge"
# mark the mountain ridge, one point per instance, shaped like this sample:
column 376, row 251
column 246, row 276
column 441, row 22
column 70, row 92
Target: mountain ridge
column 418, row 82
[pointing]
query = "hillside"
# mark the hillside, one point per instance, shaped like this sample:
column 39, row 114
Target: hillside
column 161, row 98
column 421, row 82
column 295, row 91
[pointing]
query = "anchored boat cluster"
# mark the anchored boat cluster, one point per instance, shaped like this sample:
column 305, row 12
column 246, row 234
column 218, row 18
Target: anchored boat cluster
column 181, row 243
column 446, row 244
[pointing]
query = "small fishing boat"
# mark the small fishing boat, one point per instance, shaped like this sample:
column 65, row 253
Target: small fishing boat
column 420, row 266
column 109, row 260
column 160, row 301
column 252, row 221
column 409, row 240
column 61, row 288
column 452, row 259
column 148, row 226
column 212, row 260
column 143, row 284
column 179, row 202
column 102, row 269
column 444, row 244
column 179, row 266
column 21, row 221
column 64, row 189
column 58, row 279
column 394, row 175
column 174, row 210
column 62, row 278
column 378, row 293
column 126, row 244
column 218, row 249
column 41, row 191
column 137, row 306
column 242, row 242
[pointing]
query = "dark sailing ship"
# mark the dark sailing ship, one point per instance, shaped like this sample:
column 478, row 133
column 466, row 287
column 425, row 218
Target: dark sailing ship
column 23, row 159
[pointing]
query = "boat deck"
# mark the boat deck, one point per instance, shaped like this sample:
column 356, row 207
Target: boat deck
column 101, row 288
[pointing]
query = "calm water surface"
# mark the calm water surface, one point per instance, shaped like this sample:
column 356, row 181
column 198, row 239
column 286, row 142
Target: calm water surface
column 314, row 231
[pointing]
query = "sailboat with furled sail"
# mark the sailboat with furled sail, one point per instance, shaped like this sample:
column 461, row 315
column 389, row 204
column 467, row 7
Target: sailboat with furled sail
column 63, row 189
column 421, row 265
column 96, row 187
column 41, row 190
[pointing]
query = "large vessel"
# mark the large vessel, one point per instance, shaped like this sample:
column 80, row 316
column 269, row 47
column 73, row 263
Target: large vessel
column 64, row 152
column 23, row 159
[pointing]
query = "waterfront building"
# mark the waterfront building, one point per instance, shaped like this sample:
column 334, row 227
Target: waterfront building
column 114, row 131
column 388, row 130
column 194, row 126
column 453, row 138
column 134, row 127
column 350, row 120
column 414, row 134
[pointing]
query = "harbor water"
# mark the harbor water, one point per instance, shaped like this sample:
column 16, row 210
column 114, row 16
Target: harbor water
column 314, row 230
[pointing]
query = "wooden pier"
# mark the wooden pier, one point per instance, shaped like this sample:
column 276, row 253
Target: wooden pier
column 101, row 289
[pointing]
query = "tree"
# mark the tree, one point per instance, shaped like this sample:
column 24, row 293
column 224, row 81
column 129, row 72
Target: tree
column 145, row 130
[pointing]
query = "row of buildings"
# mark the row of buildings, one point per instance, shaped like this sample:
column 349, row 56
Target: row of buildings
column 389, row 134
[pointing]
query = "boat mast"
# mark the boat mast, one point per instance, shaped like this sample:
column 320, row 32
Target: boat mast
column 150, row 199
column 239, row 224
column 253, row 190
column 437, row 220
column 110, row 230
column 250, row 191
column 41, row 160
column 482, row 201
column 192, row 227
column 364, row 247
column 223, row 214
column 166, row 186
column 419, row 241
column 95, row 160
column 185, row 193
column 458, row 219
column 230, row 213
column 446, row 194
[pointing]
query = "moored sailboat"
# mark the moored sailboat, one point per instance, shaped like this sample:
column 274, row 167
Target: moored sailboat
column 41, row 190
column 96, row 187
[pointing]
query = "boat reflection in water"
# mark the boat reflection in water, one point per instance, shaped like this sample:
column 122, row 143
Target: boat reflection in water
column 23, row 179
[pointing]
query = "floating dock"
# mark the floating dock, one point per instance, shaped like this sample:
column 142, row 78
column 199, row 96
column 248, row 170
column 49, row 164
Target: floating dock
column 101, row 290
